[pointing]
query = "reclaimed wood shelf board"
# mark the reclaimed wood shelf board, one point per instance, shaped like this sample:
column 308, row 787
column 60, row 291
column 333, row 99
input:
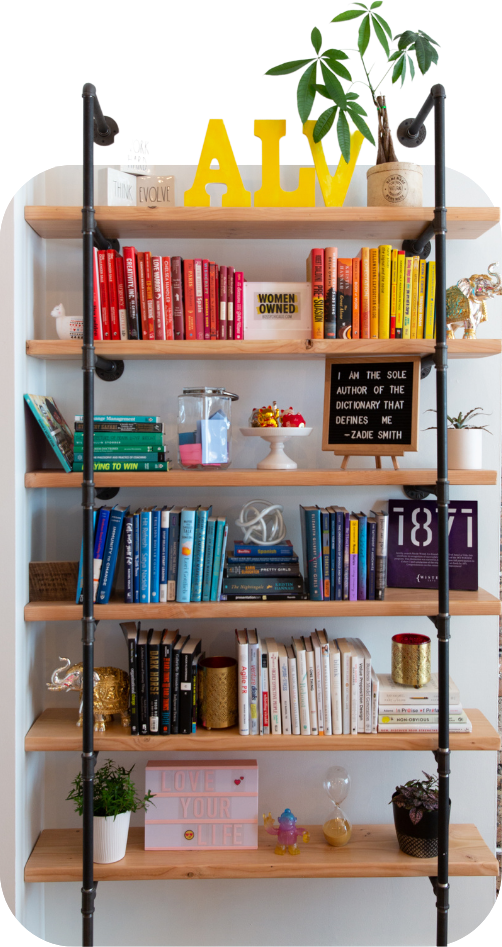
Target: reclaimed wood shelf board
column 56, row 730
column 372, row 852
column 263, row 223
column 396, row 602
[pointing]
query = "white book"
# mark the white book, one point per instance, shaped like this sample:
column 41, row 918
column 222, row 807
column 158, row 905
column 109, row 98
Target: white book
column 367, row 686
column 336, row 688
column 311, row 684
column 164, row 524
column 264, row 692
column 293, row 691
column 391, row 693
column 374, row 700
column 303, row 687
column 316, row 644
column 274, row 686
column 423, row 728
column 420, row 708
column 284, row 685
column 326, row 682
column 358, row 683
column 346, row 680
column 243, row 681
column 254, row 721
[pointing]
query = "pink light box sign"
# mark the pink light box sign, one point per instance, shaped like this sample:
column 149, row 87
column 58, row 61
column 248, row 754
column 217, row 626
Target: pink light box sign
column 202, row 805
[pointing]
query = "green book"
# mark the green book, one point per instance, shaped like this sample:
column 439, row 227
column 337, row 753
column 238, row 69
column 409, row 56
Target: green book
column 119, row 465
column 112, row 439
column 103, row 455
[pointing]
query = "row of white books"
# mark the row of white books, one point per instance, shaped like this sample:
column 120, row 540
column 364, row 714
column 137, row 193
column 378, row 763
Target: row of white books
column 415, row 710
column 311, row 687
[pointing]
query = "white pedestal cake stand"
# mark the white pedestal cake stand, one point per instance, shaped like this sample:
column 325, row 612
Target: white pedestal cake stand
column 277, row 459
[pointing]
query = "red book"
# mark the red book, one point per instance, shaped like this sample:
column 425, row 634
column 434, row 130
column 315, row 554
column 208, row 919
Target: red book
column 131, row 286
column 205, row 298
column 121, row 296
column 199, row 299
column 239, row 306
column 167, row 287
column 142, row 296
column 230, row 302
column 223, row 302
column 178, row 307
column 149, row 295
column 356, row 297
column 111, row 276
column 213, row 300
column 189, row 288
column 96, row 306
column 158, row 298
column 103, row 294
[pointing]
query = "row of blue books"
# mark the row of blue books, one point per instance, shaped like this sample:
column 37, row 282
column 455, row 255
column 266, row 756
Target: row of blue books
column 108, row 526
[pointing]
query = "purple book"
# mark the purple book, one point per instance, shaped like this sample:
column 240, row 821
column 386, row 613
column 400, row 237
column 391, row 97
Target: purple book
column 413, row 545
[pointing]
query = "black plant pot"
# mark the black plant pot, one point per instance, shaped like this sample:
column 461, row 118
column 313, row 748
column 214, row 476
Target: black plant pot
column 420, row 840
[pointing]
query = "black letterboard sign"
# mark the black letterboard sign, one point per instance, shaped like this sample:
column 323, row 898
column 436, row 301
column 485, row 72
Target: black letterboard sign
column 371, row 405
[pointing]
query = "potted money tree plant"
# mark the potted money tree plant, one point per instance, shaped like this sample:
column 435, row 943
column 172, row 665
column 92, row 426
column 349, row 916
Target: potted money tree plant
column 415, row 806
column 390, row 182
column 115, row 798
column 465, row 448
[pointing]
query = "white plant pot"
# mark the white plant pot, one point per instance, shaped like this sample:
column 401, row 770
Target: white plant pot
column 465, row 449
column 110, row 837
column 395, row 184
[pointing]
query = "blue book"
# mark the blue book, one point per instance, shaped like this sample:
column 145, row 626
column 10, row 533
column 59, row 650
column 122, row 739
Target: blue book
column 185, row 557
column 201, row 518
column 128, row 559
column 222, row 562
column 314, row 552
column 281, row 560
column 332, row 552
column 155, row 557
column 325, row 540
column 79, row 597
column 271, row 550
column 164, row 547
column 346, row 554
column 145, row 549
column 111, row 552
column 136, row 547
column 208, row 559
column 54, row 426
column 218, row 542
column 372, row 540
column 362, row 567
column 172, row 552
column 339, row 540
column 101, row 529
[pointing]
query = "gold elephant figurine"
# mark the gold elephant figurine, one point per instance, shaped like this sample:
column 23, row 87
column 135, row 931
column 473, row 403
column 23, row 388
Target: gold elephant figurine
column 465, row 302
column 110, row 694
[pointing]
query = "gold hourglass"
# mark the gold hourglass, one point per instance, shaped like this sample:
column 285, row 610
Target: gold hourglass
column 337, row 829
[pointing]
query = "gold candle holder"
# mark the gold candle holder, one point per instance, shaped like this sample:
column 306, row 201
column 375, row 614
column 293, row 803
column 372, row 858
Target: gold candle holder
column 411, row 660
column 217, row 699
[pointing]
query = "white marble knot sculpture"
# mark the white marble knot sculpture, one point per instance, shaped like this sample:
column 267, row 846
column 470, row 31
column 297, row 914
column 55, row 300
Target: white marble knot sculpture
column 262, row 522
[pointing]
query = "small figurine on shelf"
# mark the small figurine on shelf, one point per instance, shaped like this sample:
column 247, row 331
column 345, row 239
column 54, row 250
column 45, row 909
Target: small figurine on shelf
column 287, row 832
column 268, row 416
column 288, row 419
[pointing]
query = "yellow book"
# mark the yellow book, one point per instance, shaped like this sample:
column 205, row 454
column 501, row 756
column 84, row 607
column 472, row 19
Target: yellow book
column 393, row 293
column 421, row 299
column 408, row 286
column 430, row 300
column 384, row 260
column 401, row 270
column 414, row 298
column 373, row 294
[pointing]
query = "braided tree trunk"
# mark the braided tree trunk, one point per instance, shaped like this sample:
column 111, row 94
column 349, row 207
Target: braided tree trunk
column 385, row 146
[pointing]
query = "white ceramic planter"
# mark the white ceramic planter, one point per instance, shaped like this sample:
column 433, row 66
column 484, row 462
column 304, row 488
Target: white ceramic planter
column 465, row 449
column 110, row 837
column 395, row 184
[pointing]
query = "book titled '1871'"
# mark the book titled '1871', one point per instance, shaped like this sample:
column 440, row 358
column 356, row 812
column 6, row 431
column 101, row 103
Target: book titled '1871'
column 413, row 545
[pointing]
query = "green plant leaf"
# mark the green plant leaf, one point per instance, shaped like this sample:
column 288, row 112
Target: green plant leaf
column 322, row 91
column 288, row 67
column 376, row 16
column 403, row 73
column 398, row 68
column 333, row 86
column 316, row 39
column 361, row 124
column 380, row 34
column 433, row 54
column 334, row 54
column 324, row 123
column 354, row 106
column 351, row 95
column 420, row 54
column 338, row 68
column 394, row 56
column 343, row 132
column 306, row 92
column 431, row 40
column 363, row 5
column 406, row 38
column 348, row 15
column 377, row 3
column 412, row 67
column 364, row 35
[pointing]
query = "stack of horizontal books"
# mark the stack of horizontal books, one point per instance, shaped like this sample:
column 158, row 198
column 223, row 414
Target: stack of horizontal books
column 256, row 573
column 403, row 709
column 123, row 442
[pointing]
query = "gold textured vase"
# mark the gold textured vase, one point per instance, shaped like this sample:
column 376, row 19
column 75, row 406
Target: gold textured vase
column 411, row 660
column 218, row 693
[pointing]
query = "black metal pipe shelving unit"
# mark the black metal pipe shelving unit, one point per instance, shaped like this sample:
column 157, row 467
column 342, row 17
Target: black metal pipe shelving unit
column 100, row 129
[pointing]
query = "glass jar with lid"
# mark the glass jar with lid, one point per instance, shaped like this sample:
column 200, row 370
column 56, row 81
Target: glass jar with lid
column 204, row 427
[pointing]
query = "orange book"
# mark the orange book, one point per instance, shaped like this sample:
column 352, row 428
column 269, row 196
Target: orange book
column 364, row 328
column 344, row 304
column 315, row 276
column 374, row 292
column 330, row 294
column 356, row 297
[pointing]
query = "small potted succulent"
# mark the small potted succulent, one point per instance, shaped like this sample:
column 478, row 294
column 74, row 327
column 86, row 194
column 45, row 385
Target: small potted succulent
column 415, row 808
column 115, row 798
column 465, row 440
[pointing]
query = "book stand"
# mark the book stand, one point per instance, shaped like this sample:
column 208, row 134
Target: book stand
column 378, row 461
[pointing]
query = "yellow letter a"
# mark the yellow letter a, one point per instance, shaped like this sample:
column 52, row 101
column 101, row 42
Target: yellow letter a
column 334, row 187
column 271, row 194
column 217, row 147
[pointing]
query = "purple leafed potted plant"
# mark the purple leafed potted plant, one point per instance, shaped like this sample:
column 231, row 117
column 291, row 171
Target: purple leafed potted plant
column 415, row 808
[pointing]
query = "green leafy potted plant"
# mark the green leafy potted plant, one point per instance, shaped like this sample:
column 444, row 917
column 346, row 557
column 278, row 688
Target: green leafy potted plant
column 465, row 448
column 115, row 798
column 415, row 806
column 390, row 182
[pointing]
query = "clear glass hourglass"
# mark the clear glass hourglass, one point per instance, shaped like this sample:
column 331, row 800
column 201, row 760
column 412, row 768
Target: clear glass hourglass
column 337, row 829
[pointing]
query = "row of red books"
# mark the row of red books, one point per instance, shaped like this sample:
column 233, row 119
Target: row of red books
column 140, row 296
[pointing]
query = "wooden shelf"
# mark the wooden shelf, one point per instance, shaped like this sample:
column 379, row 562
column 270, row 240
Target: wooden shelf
column 56, row 730
column 372, row 852
column 396, row 602
column 263, row 223
column 54, row 349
